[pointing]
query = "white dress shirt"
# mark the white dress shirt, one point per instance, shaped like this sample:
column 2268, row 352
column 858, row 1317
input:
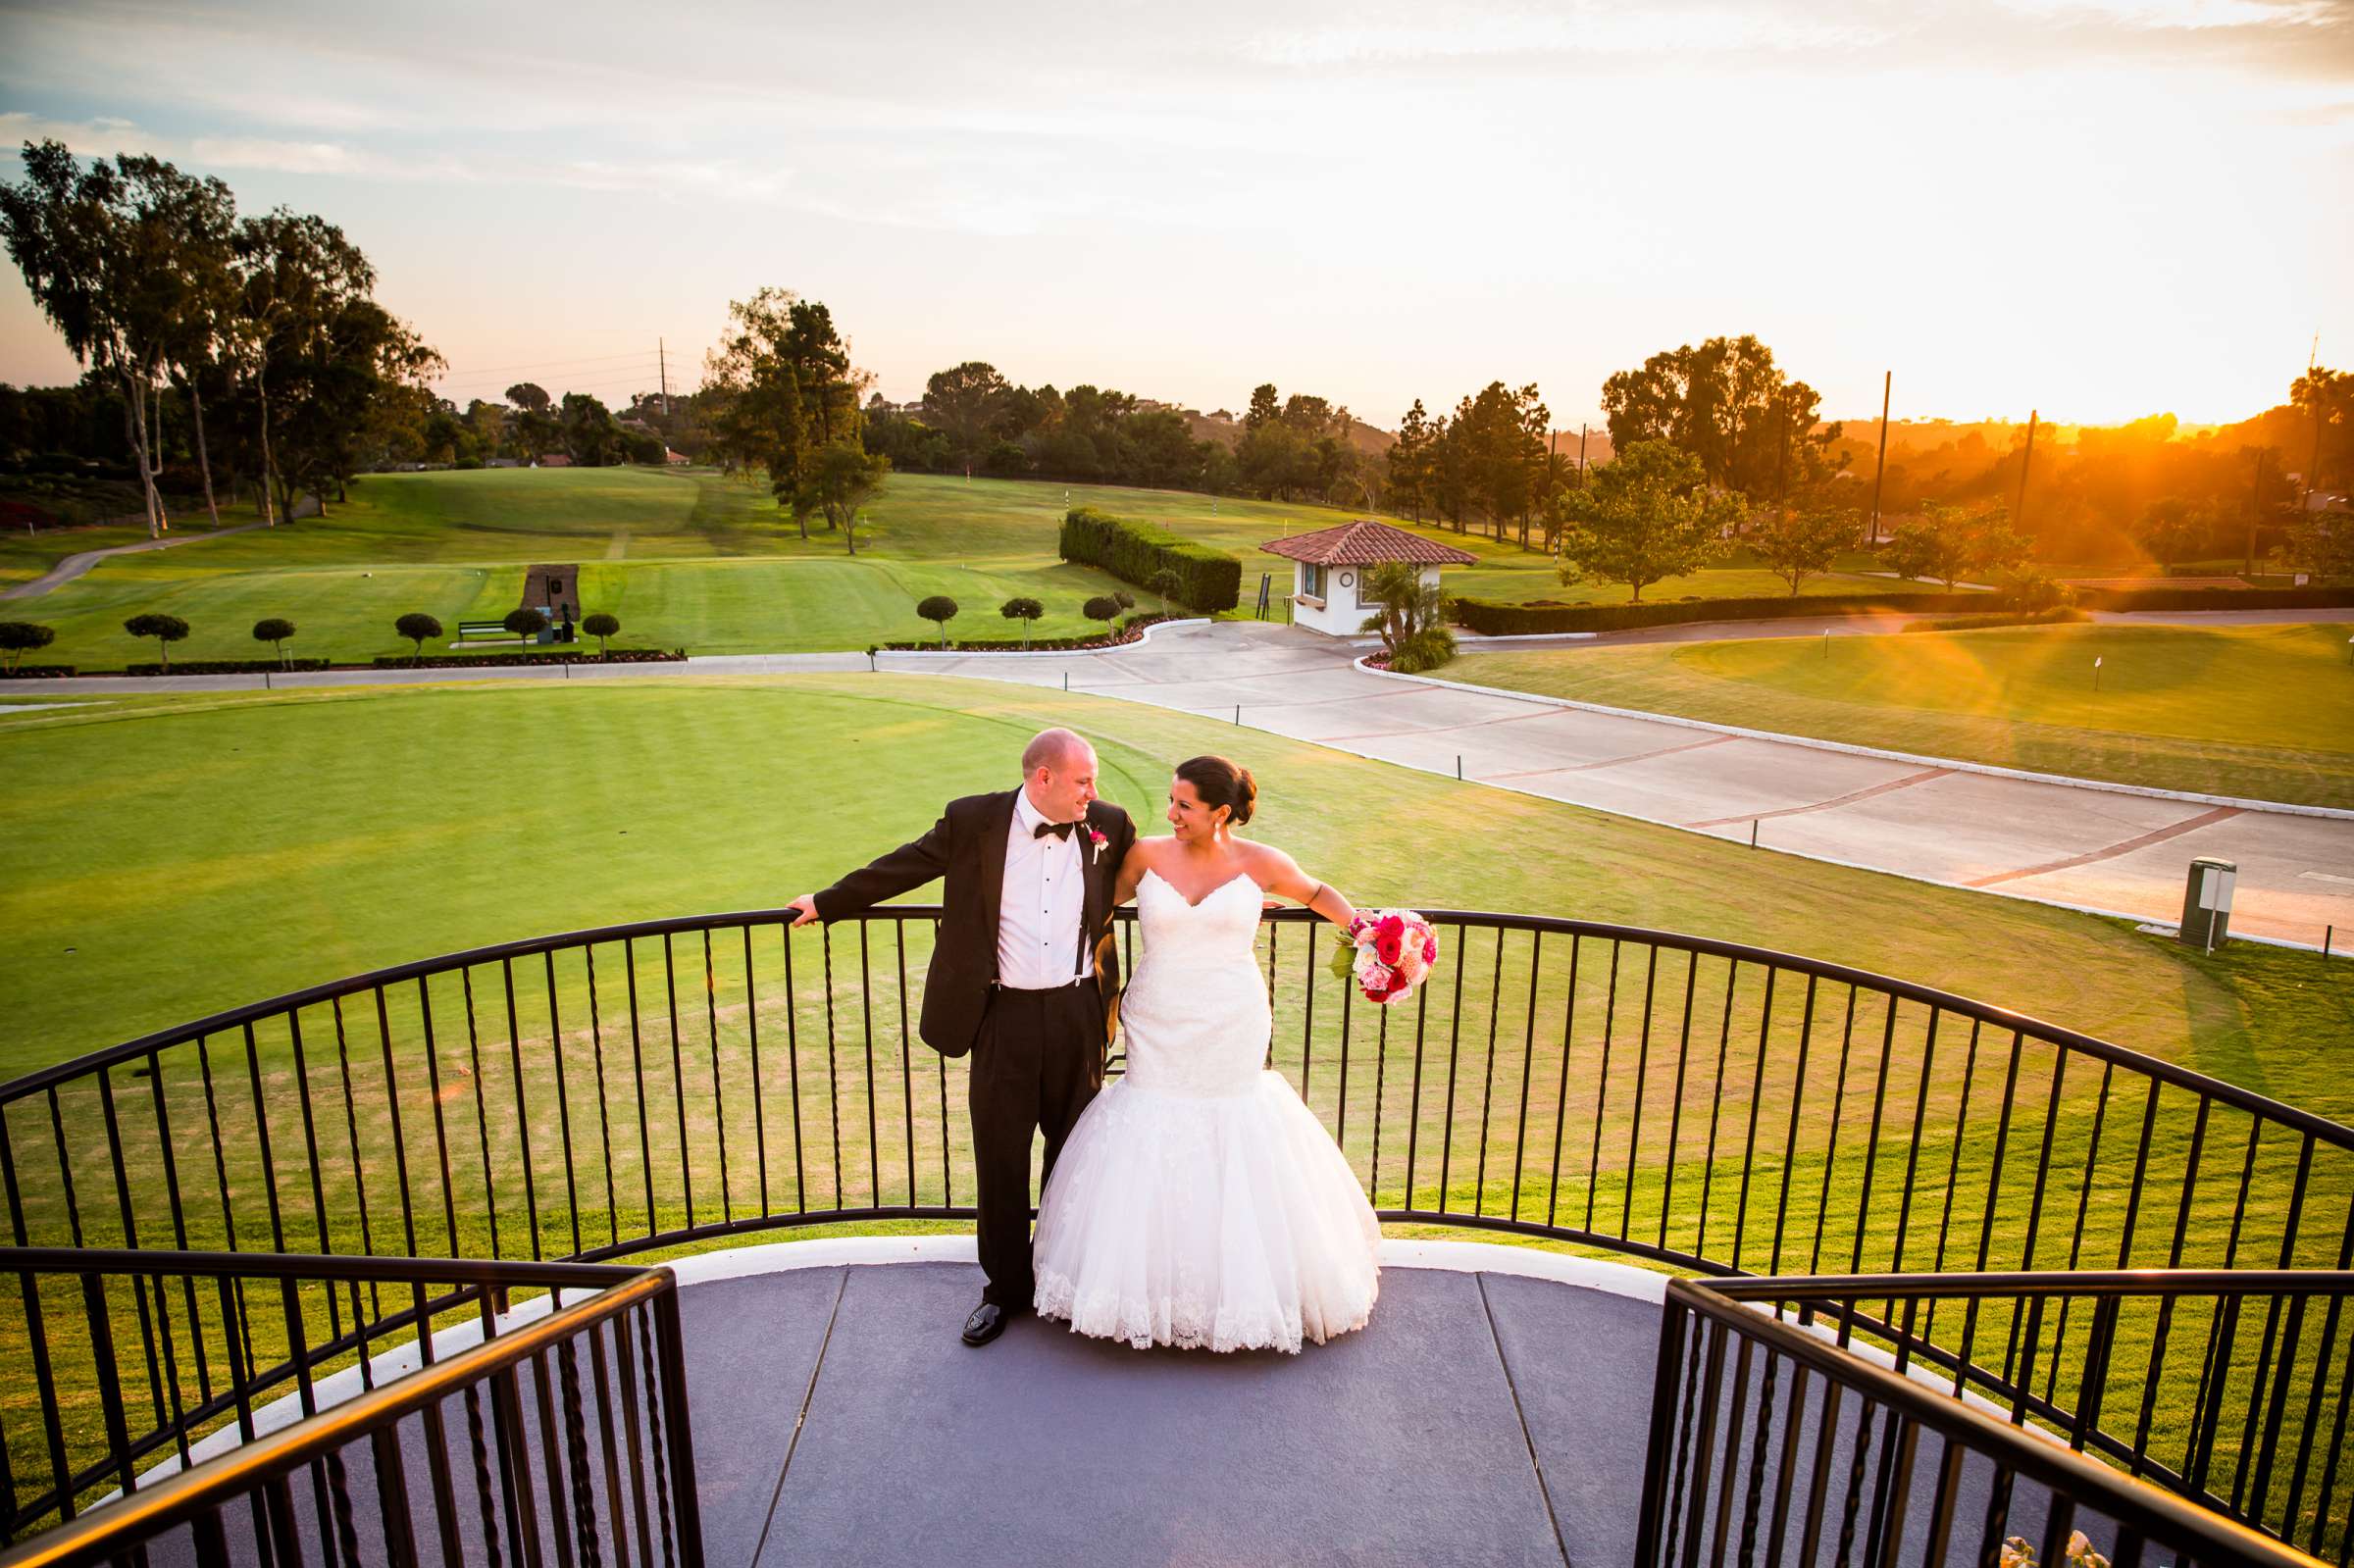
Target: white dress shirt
column 1044, row 901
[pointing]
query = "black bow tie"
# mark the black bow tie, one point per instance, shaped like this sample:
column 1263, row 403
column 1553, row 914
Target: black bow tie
column 1060, row 829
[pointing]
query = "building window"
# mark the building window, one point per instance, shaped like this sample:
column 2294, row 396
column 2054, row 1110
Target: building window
column 1311, row 580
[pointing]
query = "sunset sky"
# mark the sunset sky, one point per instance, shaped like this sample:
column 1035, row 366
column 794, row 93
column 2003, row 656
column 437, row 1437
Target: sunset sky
column 2099, row 210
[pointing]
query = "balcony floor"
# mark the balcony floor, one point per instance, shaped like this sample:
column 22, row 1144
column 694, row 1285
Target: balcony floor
column 1436, row 1435
column 1492, row 1412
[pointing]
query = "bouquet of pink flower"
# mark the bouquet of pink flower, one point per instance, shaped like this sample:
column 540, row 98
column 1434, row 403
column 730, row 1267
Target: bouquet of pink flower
column 1387, row 952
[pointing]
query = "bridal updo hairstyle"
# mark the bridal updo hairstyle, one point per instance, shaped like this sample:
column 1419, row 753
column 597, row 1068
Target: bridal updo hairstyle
column 1220, row 783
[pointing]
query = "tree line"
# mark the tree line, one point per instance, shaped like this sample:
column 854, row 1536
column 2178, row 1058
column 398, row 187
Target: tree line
column 973, row 420
column 265, row 327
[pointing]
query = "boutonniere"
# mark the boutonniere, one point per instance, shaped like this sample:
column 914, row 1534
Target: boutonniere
column 1096, row 842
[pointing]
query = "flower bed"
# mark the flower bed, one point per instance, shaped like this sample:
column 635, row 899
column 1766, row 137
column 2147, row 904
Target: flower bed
column 432, row 661
column 1130, row 630
column 226, row 667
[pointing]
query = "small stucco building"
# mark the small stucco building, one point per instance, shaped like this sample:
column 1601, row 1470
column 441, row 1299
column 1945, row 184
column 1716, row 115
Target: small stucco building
column 1328, row 577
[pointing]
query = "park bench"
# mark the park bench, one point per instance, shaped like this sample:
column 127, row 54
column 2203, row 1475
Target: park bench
column 468, row 631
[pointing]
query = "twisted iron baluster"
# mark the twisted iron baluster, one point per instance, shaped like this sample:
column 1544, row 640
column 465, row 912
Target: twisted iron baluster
column 482, row 1472
column 653, row 1416
column 575, row 1451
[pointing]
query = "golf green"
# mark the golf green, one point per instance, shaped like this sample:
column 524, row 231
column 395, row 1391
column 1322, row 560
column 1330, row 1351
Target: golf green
column 2259, row 712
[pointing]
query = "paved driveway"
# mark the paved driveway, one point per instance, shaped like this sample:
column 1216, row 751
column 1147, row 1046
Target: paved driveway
column 2061, row 843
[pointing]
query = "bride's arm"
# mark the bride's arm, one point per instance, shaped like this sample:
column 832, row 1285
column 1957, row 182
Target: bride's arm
column 1281, row 875
column 1132, row 872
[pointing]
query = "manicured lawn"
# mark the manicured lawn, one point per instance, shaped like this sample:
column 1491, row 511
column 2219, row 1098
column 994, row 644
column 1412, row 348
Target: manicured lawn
column 172, row 855
column 2261, row 711
column 703, row 561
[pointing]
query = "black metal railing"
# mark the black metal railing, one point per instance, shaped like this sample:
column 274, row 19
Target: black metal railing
column 1704, row 1105
column 1782, row 1418
column 307, row 1400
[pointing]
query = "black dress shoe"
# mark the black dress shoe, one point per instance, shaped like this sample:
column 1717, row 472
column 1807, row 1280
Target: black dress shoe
column 986, row 1324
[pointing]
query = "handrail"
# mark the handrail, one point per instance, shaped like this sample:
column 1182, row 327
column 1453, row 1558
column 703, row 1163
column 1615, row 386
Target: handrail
column 1841, row 974
column 2148, row 1513
column 178, row 1499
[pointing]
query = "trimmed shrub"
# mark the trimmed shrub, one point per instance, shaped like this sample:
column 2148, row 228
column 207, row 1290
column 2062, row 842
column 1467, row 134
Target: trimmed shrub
column 601, row 624
column 165, row 628
column 1103, row 607
column 940, row 608
column 1024, row 610
column 528, row 622
column 418, row 626
column 19, row 637
column 1133, row 551
column 273, row 631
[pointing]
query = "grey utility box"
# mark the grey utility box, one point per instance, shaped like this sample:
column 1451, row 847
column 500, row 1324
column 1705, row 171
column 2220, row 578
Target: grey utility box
column 2206, row 903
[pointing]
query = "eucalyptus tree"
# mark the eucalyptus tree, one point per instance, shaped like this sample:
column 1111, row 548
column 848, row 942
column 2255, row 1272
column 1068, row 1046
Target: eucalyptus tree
column 100, row 253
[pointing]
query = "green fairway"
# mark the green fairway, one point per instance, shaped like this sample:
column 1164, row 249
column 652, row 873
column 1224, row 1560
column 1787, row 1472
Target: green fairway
column 698, row 559
column 172, row 855
column 2260, row 712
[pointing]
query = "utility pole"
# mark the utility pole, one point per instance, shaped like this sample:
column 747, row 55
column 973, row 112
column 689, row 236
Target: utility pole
column 1887, row 383
column 2255, row 511
column 1581, row 448
column 662, row 360
column 2018, row 512
column 2313, row 470
column 1781, row 467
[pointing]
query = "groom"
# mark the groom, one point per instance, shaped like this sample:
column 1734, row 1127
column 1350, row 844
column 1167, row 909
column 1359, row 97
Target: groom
column 1024, row 975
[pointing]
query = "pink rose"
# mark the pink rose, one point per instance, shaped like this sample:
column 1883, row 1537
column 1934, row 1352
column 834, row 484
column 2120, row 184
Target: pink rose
column 1430, row 951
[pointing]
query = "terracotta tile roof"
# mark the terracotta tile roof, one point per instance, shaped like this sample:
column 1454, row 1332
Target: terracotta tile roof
column 1366, row 543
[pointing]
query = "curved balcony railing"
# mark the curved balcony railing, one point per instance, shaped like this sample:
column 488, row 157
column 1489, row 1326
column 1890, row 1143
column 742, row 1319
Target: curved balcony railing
column 1714, row 1108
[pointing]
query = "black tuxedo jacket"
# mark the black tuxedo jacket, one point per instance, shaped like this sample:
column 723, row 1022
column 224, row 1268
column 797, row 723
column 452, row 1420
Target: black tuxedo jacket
column 967, row 849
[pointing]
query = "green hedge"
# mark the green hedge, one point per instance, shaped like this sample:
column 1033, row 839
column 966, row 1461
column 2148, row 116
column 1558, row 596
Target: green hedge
column 1207, row 579
column 36, row 672
column 225, row 666
column 2311, row 598
column 1130, row 630
column 1509, row 620
column 470, row 661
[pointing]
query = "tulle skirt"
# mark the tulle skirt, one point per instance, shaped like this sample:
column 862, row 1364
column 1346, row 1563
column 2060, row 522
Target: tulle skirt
column 1226, row 1222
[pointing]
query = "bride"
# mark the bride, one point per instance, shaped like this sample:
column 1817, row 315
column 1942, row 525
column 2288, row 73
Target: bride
column 1198, row 1202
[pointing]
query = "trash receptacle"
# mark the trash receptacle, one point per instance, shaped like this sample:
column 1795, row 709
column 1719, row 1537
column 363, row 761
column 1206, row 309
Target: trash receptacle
column 2206, row 903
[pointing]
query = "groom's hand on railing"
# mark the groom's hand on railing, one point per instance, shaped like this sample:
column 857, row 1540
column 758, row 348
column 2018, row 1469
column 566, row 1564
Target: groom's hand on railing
column 807, row 905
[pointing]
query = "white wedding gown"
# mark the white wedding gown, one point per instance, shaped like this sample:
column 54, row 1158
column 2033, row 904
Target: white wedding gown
column 1198, row 1202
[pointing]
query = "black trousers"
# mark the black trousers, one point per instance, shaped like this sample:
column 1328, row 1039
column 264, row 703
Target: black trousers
column 1038, row 1059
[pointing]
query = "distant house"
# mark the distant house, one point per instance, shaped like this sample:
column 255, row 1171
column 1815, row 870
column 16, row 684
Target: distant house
column 504, row 462
column 1328, row 576
column 673, row 459
column 553, row 460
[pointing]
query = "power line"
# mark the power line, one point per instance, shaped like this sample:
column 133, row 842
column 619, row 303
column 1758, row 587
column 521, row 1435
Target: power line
column 542, row 363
